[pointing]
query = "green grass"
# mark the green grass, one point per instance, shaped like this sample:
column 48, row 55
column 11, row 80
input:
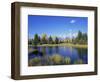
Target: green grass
column 65, row 44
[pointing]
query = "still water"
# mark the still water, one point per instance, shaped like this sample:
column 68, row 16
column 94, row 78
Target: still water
column 58, row 55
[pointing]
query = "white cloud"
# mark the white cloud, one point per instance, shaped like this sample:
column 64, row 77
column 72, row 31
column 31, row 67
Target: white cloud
column 72, row 21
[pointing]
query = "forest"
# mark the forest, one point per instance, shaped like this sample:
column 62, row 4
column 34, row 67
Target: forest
column 81, row 38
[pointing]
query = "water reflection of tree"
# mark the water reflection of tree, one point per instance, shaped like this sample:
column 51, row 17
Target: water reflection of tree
column 44, row 57
column 56, row 49
column 81, row 52
column 35, row 47
column 44, row 50
column 50, row 50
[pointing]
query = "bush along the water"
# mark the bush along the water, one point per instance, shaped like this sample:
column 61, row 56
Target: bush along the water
column 67, row 60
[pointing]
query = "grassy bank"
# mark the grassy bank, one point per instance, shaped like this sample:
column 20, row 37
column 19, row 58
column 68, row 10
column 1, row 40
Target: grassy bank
column 65, row 44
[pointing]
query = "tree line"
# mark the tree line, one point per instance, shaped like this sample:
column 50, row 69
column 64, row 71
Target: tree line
column 81, row 38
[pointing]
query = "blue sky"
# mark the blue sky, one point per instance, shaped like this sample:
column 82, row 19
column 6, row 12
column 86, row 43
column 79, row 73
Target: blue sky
column 61, row 26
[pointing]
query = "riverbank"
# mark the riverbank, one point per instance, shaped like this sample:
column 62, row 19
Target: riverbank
column 63, row 44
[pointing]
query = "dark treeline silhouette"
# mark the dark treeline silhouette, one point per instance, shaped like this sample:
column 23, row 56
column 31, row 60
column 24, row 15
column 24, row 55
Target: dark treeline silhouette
column 81, row 38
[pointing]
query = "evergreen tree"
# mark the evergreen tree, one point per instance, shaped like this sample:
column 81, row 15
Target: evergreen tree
column 36, row 39
column 79, row 35
column 56, row 40
column 44, row 39
column 50, row 40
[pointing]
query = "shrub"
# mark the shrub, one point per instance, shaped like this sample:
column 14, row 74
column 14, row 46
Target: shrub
column 35, row 51
column 56, row 59
column 34, row 61
column 79, row 62
column 67, row 60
